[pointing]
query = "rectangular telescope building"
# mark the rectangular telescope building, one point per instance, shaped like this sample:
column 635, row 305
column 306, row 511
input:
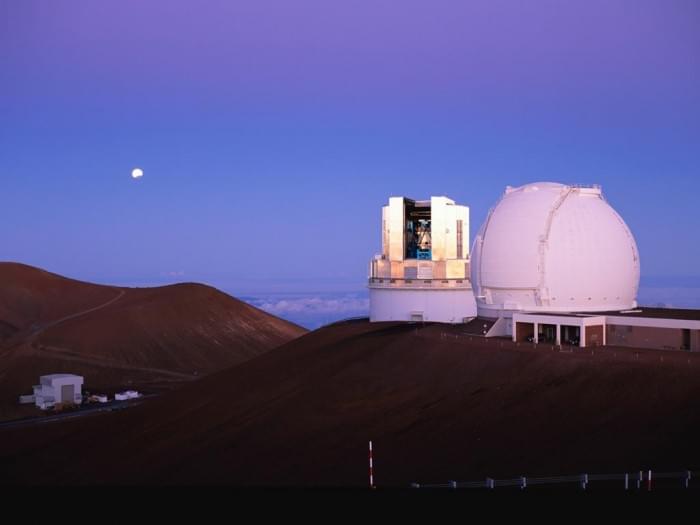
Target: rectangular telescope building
column 422, row 273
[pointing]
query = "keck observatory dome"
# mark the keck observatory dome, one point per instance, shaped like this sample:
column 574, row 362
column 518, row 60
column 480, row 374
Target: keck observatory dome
column 555, row 248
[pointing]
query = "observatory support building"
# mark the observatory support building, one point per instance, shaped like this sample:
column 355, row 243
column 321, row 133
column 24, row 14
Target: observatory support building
column 422, row 273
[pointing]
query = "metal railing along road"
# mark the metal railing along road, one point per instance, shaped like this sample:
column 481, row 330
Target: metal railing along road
column 640, row 480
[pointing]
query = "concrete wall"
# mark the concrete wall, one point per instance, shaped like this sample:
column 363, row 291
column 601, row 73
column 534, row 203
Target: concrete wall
column 645, row 337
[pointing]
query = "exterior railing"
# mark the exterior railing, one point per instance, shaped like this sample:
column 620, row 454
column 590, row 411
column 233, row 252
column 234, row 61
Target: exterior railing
column 377, row 282
column 640, row 480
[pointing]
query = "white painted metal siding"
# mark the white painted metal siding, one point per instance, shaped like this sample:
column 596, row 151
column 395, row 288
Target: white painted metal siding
column 440, row 305
column 551, row 247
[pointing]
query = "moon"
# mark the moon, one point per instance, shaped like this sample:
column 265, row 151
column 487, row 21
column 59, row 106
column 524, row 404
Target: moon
column 136, row 173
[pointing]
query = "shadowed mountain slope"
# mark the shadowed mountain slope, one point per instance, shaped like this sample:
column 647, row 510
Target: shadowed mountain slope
column 438, row 404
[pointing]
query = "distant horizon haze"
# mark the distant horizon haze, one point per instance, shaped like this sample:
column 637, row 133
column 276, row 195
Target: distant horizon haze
column 313, row 303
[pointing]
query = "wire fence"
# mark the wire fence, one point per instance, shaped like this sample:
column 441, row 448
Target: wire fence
column 639, row 480
column 647, row 355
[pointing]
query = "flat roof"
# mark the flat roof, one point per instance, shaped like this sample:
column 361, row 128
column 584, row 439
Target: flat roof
column 566, row 314
column 60, row 376
column 641, row 311
column 658, row 313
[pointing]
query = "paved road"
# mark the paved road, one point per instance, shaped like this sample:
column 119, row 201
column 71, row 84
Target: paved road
column 39, row 330
column 29, row 339
column 81, row 412
column 70, row 355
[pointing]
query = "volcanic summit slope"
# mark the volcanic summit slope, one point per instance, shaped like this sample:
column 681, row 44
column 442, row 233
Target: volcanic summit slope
column 117, row 336
column 437, row 403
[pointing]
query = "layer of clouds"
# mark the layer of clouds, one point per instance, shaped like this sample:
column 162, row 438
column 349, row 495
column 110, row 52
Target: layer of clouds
column 313, row 310
column 317, row 309
column 316, row 305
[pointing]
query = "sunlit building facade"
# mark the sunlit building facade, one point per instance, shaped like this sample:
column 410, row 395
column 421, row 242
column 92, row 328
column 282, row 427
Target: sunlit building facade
column 422, row 273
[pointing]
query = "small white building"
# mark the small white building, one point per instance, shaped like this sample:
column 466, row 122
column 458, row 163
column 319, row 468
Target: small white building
column 58, row 388
column 128, row 394
column 98, row 398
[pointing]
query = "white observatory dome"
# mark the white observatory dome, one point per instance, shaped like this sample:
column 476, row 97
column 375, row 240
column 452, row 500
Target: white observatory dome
column 548, row 247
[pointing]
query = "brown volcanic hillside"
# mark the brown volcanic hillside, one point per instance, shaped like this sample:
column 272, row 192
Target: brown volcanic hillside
column 438, row 407
column 31, row 296
column 182, row 327
column 122, row 336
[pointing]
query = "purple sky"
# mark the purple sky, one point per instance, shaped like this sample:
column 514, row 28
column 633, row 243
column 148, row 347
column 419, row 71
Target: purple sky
column 279, row 128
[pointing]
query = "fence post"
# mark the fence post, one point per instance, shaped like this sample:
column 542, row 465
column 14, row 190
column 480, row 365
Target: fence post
column 649, row 480
column 627, row 481
column 584, row 481
column 687, row 478
column 523, row 482
column 640, row 479
column 371, row 467
column 490, row 483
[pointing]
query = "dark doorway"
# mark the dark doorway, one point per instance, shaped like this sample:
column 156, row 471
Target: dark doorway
column 525, row 332
column 547, row 333
column 570, row 335
column 686, row 339
column 67, row 393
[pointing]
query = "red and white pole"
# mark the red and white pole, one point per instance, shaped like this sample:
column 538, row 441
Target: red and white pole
column 371, row 467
